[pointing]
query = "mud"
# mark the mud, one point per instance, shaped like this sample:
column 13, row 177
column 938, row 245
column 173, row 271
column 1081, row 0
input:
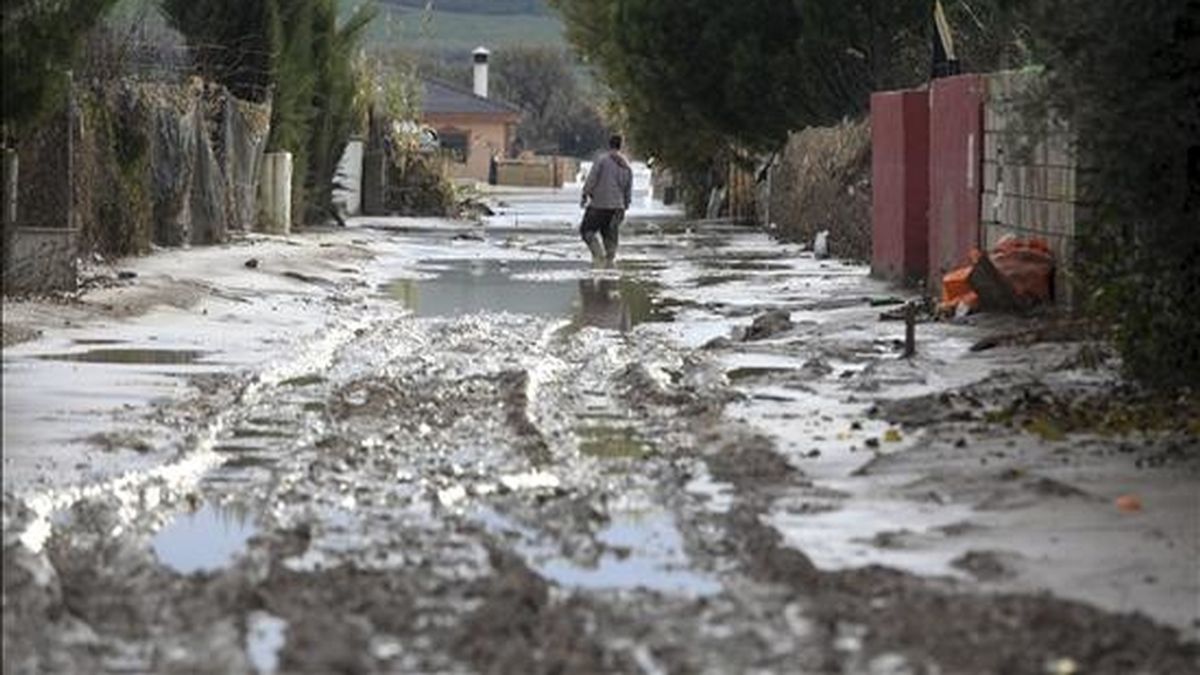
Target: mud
column 475, row 455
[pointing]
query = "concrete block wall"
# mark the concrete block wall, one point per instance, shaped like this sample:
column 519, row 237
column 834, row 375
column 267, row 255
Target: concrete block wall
column 535, row 172
column 42, row 259
column 1030, row 176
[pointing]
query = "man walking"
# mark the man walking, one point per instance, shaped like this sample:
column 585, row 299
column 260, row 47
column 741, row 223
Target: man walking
column 606, row 195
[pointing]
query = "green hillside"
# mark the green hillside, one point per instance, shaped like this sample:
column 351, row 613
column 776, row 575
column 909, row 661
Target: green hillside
column 498, row 23
column 478, row 6
column 441, row 30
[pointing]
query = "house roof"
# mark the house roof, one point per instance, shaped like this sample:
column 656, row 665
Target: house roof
column 440, row 97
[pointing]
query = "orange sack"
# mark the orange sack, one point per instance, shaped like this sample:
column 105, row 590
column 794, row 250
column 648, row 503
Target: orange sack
column 956, row 288
column 1025, row 264
column 1028, row 265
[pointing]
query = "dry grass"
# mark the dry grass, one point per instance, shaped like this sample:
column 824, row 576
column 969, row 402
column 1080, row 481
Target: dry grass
column 823, row 182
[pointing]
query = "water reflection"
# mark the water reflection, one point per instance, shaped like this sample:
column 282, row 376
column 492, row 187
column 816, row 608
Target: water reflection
column 130, row 356
column 539, row 288
column 602, row 305
column 205, row 540
column 615, row 304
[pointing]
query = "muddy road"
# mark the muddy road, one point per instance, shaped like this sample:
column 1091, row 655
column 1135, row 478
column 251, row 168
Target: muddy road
column 416, row 446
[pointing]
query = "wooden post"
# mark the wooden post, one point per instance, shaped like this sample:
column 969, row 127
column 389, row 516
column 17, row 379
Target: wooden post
column 10, row 188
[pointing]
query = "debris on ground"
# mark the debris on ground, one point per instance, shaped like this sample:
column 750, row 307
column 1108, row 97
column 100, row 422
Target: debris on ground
column 1129, row 503
column 769, row 325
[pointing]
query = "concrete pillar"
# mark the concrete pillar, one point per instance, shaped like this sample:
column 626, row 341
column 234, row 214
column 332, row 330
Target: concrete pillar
column 276, row 193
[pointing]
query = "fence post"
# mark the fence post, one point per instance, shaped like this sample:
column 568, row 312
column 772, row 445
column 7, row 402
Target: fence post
column 10, row 167
column 72, row 116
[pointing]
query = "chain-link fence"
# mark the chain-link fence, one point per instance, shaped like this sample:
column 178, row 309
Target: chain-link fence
column 142, row 151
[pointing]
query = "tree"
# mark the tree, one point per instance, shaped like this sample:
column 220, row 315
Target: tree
column 1133, row 102
column 233, row 42
column 700, row 81
column 559, row 117
column 296, row 52
column 535, row 79
column 703, row 81
column 39, row 39
column 333, row 99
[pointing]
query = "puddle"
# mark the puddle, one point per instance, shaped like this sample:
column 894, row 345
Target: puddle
column 612, row 442
column 563, row 288
column 258, row 432
column 130, row 356
column 237, row 449
column 205, row 540
column 744, row 265
column 750, row 373
column 250, row 462
column 644, row 551
column 469, row 286
column 266, row 634
column 304, row 380
column 718, row 279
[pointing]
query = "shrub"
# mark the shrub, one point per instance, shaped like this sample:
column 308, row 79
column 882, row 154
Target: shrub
column 1134, row 103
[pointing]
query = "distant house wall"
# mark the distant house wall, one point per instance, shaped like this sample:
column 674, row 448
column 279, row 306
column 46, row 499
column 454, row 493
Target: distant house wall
column 487, row 136
column 537, row 171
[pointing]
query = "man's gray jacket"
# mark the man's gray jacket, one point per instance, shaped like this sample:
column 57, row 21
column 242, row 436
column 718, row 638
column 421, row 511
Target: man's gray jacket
column 610, row 183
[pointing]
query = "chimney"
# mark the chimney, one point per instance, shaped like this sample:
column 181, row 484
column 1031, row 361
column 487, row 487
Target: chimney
column 480, row 57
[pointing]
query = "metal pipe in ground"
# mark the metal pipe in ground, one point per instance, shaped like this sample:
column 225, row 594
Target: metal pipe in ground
column 910, row 330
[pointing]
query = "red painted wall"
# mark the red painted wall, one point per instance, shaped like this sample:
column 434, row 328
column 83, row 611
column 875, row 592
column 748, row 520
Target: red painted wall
column 900, row 185
column 955, row 165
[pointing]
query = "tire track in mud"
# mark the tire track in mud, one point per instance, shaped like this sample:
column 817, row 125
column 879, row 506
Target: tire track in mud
column 438, row 512
column 97, row 574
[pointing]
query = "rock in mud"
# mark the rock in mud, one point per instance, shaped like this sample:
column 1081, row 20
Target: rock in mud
column 769, row 325
column 987, row 565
